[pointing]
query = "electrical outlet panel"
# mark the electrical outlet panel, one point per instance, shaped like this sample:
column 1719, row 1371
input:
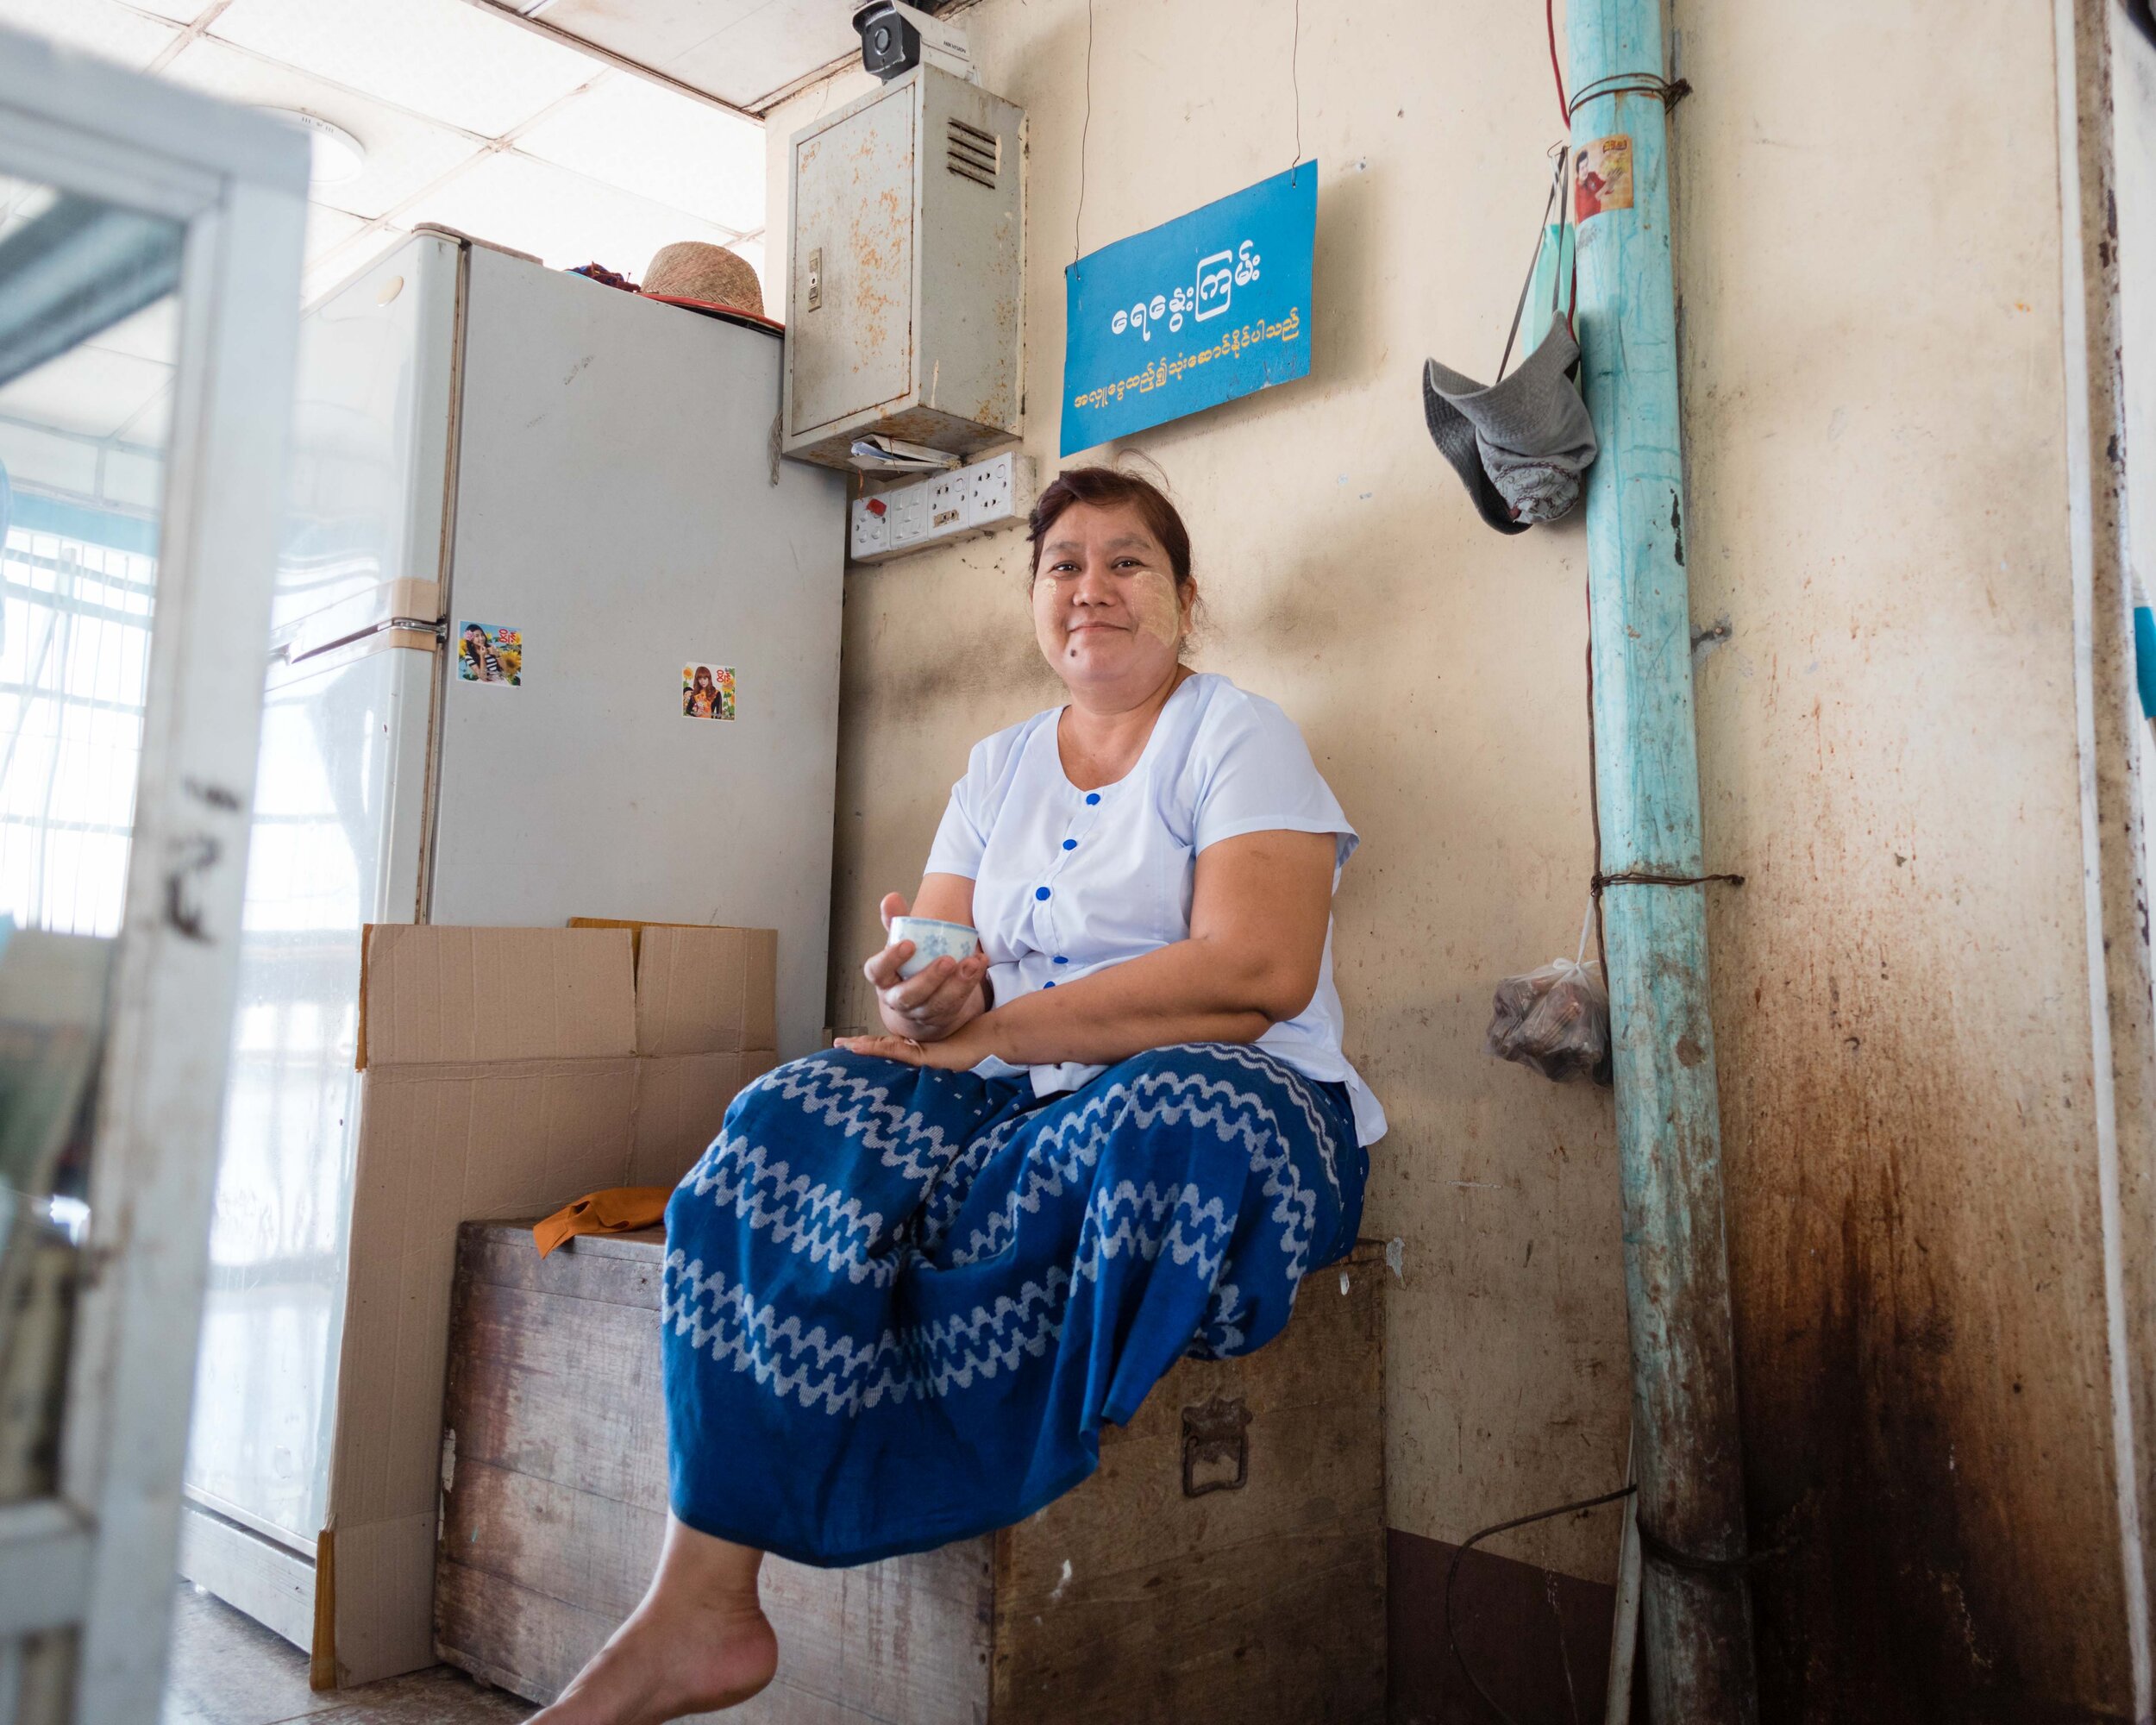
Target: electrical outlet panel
column 942, row 507
column 871, row 524
column 993, row 492
column 909, row 518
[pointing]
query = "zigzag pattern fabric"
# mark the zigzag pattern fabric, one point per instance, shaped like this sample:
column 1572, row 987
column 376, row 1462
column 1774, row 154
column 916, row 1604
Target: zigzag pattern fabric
column 899, row 1304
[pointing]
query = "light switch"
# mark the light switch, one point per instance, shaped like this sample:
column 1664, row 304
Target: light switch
column 816, row 278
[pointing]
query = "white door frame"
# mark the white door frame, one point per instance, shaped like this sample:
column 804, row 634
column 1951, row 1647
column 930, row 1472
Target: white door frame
column 100, row 1555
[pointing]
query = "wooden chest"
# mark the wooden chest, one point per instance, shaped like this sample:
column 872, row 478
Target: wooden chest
column 1224, row 1567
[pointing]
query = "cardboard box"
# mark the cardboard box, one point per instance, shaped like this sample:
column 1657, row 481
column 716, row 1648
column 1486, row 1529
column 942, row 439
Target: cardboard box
column 706, row 1024
column 508, row 1070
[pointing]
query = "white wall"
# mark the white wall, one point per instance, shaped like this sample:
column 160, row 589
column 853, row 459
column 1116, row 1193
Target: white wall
column 1870, row 266
column 1433, row 665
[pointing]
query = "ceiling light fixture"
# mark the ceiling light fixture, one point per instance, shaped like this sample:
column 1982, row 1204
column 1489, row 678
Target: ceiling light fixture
column 338, row 156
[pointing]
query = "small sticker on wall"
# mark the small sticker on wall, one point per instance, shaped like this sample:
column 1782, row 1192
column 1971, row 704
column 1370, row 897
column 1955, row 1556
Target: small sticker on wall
column 489, row 653
column 707, row 691
column 1601, row 177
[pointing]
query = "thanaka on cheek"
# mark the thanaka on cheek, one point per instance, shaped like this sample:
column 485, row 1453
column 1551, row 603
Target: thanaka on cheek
column 1160, row 614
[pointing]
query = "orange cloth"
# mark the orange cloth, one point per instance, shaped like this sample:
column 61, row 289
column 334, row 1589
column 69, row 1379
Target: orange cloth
column 617, row 1210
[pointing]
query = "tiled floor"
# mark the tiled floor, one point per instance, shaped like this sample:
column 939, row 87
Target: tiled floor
column 229, row 1670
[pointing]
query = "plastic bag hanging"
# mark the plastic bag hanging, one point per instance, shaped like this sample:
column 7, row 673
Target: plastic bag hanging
column 1522, row 445
column 1554, row 1019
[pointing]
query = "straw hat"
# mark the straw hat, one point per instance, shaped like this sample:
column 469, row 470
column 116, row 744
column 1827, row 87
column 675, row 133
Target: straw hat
column 710, row 275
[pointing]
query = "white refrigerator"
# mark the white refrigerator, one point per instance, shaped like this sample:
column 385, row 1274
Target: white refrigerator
column 583, row 485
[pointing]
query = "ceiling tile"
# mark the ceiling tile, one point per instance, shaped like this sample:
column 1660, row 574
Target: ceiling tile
column 737, row 50
column 566, row 219
column 653, row 33
column 40, row 458
column 403, row 154
column 150, row 426
column 104, row 28
column 179, row 11
column 444, row 58
column 152, row 334
column 338, row 265
column 767, row 49
column 673, row 149
column 327, row 230
column 92, row 391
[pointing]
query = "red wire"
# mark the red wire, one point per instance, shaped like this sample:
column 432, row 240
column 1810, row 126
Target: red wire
column 1571, row 298
column 1550, row 17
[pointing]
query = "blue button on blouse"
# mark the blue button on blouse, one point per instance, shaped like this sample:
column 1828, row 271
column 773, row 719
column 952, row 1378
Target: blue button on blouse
column 1070, row 844
column 1040, row 892
column 1092, row 796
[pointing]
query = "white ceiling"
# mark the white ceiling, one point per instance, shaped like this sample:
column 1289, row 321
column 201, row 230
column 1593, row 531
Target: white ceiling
column 468, row 118
column 745, row 51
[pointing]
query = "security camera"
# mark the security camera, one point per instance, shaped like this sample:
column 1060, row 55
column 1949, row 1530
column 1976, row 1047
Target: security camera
column 896, row 37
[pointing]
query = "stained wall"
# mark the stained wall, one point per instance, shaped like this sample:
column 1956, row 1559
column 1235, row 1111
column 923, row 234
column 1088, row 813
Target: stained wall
column 1869, row 237
column 1877, row 428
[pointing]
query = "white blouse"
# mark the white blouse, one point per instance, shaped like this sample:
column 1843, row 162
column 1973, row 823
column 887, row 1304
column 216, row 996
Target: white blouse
column 1067, row 881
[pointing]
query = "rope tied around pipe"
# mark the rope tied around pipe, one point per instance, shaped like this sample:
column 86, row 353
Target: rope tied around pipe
column 1653, row 1546
column 1629, row 84
column 1645, row 877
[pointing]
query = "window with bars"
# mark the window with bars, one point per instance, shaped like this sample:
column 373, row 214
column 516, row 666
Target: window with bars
column 75, row 617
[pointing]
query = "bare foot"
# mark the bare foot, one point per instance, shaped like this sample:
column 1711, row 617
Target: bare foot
column 669, row 1661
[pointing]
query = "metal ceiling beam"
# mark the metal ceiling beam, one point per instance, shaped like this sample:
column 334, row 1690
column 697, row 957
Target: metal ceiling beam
column 75, row 270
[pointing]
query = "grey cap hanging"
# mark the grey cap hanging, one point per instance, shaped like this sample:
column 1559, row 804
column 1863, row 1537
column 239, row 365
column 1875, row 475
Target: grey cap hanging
column 1522, row 444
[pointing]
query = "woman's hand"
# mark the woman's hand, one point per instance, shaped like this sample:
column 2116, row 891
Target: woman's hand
column 963, row 1048
column 931, row 1005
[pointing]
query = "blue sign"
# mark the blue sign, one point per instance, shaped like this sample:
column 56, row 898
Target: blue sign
column 1195, row 313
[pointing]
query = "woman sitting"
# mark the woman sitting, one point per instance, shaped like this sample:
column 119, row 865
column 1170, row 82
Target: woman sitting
column 915, row 1276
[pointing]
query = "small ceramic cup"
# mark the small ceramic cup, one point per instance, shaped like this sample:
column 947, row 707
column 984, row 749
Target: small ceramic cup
column 931, row 940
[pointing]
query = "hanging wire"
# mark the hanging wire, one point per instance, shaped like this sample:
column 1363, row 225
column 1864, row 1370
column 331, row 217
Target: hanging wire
column 1559, row 153
column 1564, row 1651
column 1451, row 1631
column 1550, row 20
column 1294, row 75
column 1594, row 773
column 1595, row 795
column 1077, row 220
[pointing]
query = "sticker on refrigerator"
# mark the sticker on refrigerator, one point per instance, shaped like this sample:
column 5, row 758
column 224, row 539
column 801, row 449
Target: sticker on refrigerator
column 707, row 691
column 487, row 653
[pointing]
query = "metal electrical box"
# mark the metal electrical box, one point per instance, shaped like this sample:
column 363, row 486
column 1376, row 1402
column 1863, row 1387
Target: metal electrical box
column 905, row 260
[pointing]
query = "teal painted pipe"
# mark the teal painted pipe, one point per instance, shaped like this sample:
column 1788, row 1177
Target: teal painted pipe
column 1696, row 1619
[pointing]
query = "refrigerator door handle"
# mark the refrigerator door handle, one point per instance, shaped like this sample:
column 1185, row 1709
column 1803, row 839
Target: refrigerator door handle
column 391, row 632
column 402, row 603
column 411, row 635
